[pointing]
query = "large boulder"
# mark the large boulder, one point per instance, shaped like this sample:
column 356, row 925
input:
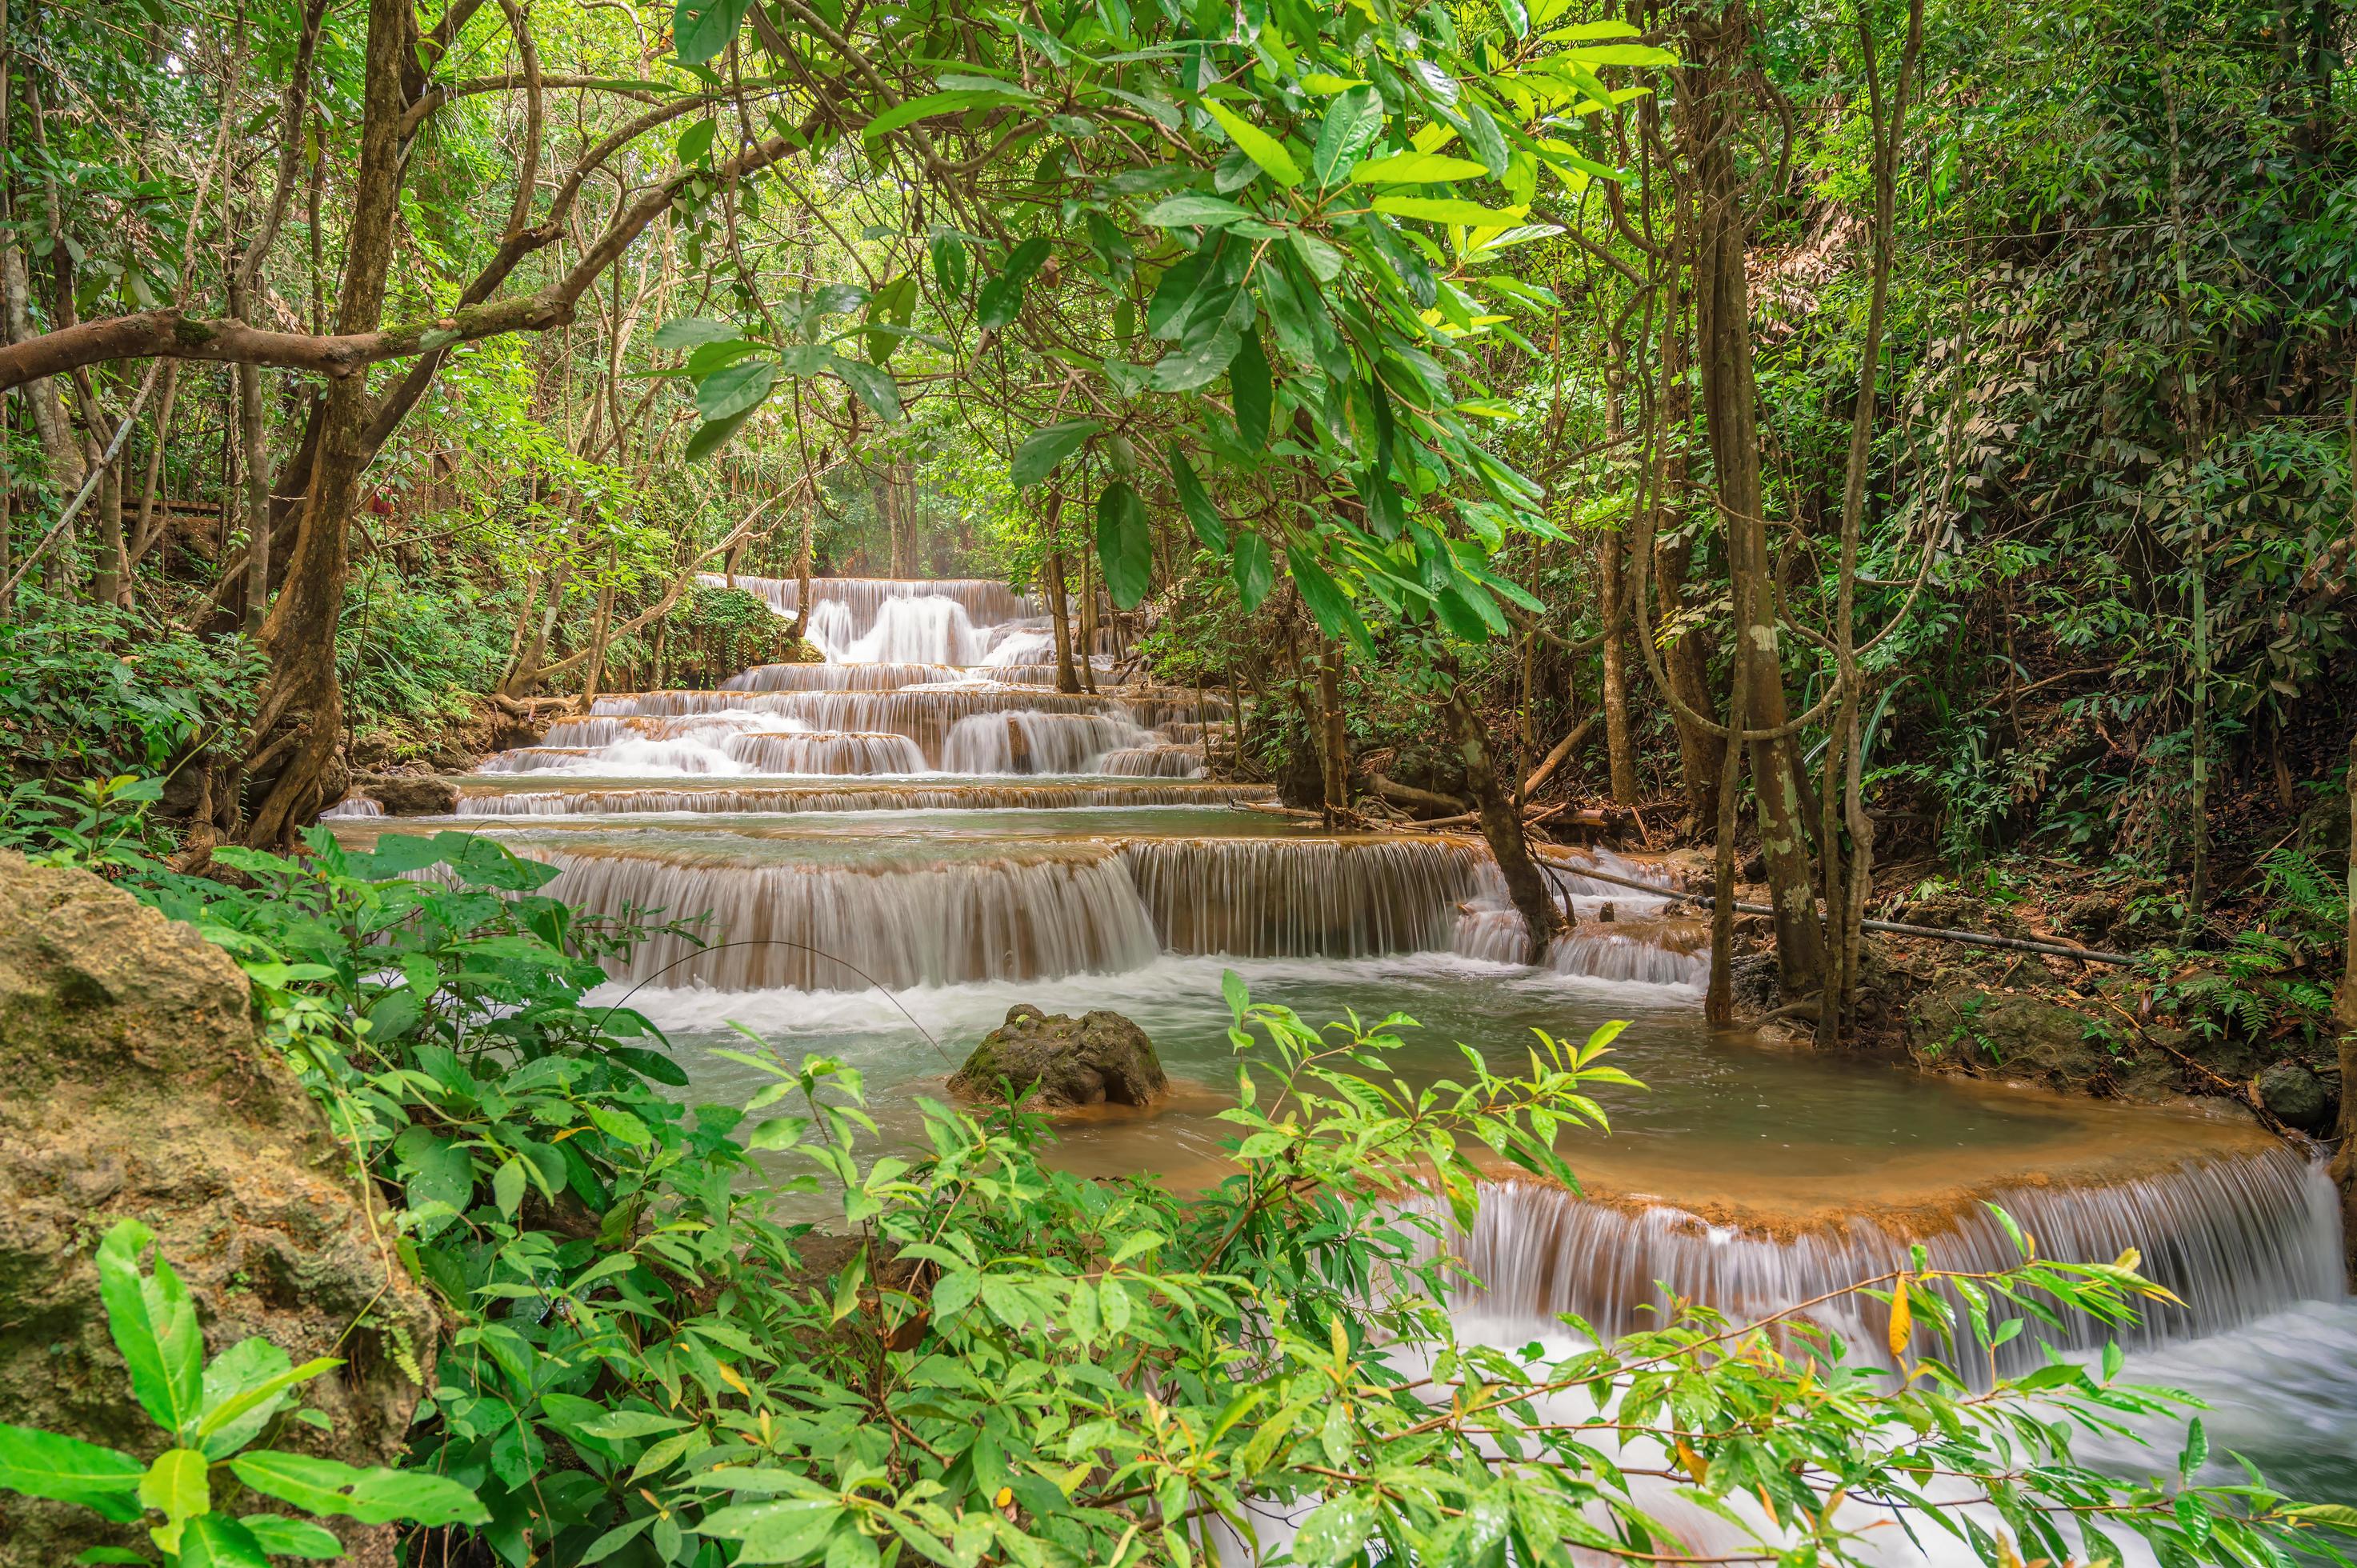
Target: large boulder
column 1090, row 1060
column 409, row 794
column 133, row 1084
column 2296, row 1097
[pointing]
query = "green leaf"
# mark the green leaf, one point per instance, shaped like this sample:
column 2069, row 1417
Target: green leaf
column 111, row 1554
column 1444, row 210
column 908, row 110
column 51, row 1464
column 154, row 1321
column 434, row 1170
column 176, row 1487
column 244, row 1387
column 2335, row 1516
column 1353, row 122
column 282, row 1537
column 786, row 1531
column 1335, row 1532
column 372, row 1497
column 1251, row 570
column 619, row 1125
column 696, row 140
column 614, row 1539
column 1124, row 544
column 701, row 28
column 1037, row 457
column 1327, row 604
column 1414, row 168
column 1198, row 362
column 1189, row 210
column 1256, row 143
column 217, row 1540
column 693, row 332
column 621, row 1426
column 1002, row 296
column 507, row 1187
column 714, row 434
column 1209, row 527
column 1488, row 144
column 736, row 389
column 876, row 388
column 1250, row 387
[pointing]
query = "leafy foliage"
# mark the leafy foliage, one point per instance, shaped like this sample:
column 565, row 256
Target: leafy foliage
column 212, row 1413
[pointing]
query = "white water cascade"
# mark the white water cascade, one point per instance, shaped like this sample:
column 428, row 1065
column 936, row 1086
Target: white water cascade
column 924, row 812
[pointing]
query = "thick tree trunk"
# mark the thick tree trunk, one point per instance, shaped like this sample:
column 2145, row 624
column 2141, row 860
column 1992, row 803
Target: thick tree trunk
column 1502, row 826
column 291, row 751
column 1731, row 408
column 107, row 583
column 1088, row 659
column 59, row 449
column 257, row 496
column 803, row 573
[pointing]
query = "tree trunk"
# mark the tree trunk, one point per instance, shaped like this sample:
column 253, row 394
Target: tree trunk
column 59, row 449
column 803, row 573
column 1620, row 749
column 2344, row 1019
column 257, row 496
column 1058, row 608
column 291, row 750
column 1334, row 740
column 1502, row 826
column 1088, row 658
column 108, row 583
column 1730, row 409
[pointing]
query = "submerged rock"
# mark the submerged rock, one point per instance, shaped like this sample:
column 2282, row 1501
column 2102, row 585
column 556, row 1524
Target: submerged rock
column 1098, row 1057
column 133, row 1085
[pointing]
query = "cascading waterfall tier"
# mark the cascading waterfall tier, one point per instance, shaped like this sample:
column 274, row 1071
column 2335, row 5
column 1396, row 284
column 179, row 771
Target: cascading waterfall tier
column 1069, row 906
column 1044, row 913
column 879, row 797
column 2235, row 1235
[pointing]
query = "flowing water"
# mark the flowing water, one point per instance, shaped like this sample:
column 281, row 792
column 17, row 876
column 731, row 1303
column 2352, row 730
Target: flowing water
column 886, row 851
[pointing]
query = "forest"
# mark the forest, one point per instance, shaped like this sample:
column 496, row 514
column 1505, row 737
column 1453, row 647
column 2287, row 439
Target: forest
column 1671, row 684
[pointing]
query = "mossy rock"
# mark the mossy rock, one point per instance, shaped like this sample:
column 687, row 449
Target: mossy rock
column 1098, row 1058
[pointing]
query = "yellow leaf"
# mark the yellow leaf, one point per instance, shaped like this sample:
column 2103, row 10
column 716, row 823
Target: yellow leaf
column 2128, row 1260
column 728, row 1376
column 1902, row 1319
column 1006, row 1496
column 1691, row 1461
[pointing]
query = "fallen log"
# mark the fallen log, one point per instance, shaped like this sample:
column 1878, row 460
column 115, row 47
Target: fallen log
column 1408, row 795
column 1554, row 759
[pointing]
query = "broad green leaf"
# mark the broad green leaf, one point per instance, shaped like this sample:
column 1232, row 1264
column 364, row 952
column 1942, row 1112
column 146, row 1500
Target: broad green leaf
column 622, row 1425
column 51, row 1464
column 113, row 1554
column 696, row 140
column 693, row 332
column 1443, row 210
column 1328, row 605
column 1353, row 122
column 176, row 1487
column 1198, row 362
column 876, row 388
column 1579, row 30
column 1594, row 54
column 787, row 1530
column 217, row 1540
column 1002, row 297
column 619, row 1125
column 1196, row 502
column 282, row 1537
column 1414, row 168
column 1256, row 143
column 154, row 1321
column 1191, row 210
column 1251, row 389
column 1251, row 570
column 736, row 389
column 701, row 28
column 1124, row 544
column 372, row 1497
column 1037, row 457
column 508, row 1184
column 908, row 110
column 245, row 1386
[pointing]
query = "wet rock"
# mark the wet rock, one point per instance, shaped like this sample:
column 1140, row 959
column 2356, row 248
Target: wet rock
column 1098, row 1057
column 2295, row 1096
column 133, row 1084
column 409, row 794
column 1752, row 981
column 2092, row 917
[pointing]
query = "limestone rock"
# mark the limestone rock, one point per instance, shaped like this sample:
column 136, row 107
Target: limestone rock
column 1088, row 1060
column 2295, row 1096
column 409, row 794
column 2021, row 1035
column 133, row 1084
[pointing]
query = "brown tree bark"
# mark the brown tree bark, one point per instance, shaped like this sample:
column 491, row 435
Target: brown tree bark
column 1334, row 736
column 1502, row 827
column 291, row 748
column 1611, row 550
column 1708, row 116
column 1058, row 607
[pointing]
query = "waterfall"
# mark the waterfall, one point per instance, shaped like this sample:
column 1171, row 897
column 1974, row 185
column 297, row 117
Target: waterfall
column 839, row 676
column 1067, row 911
column 1153, row 761
column 828, row 752
column 352, row 806
column 984, row 598
column 1306, row 898
column 1030, row 742
column 877, row 797
column 2235, row 1235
